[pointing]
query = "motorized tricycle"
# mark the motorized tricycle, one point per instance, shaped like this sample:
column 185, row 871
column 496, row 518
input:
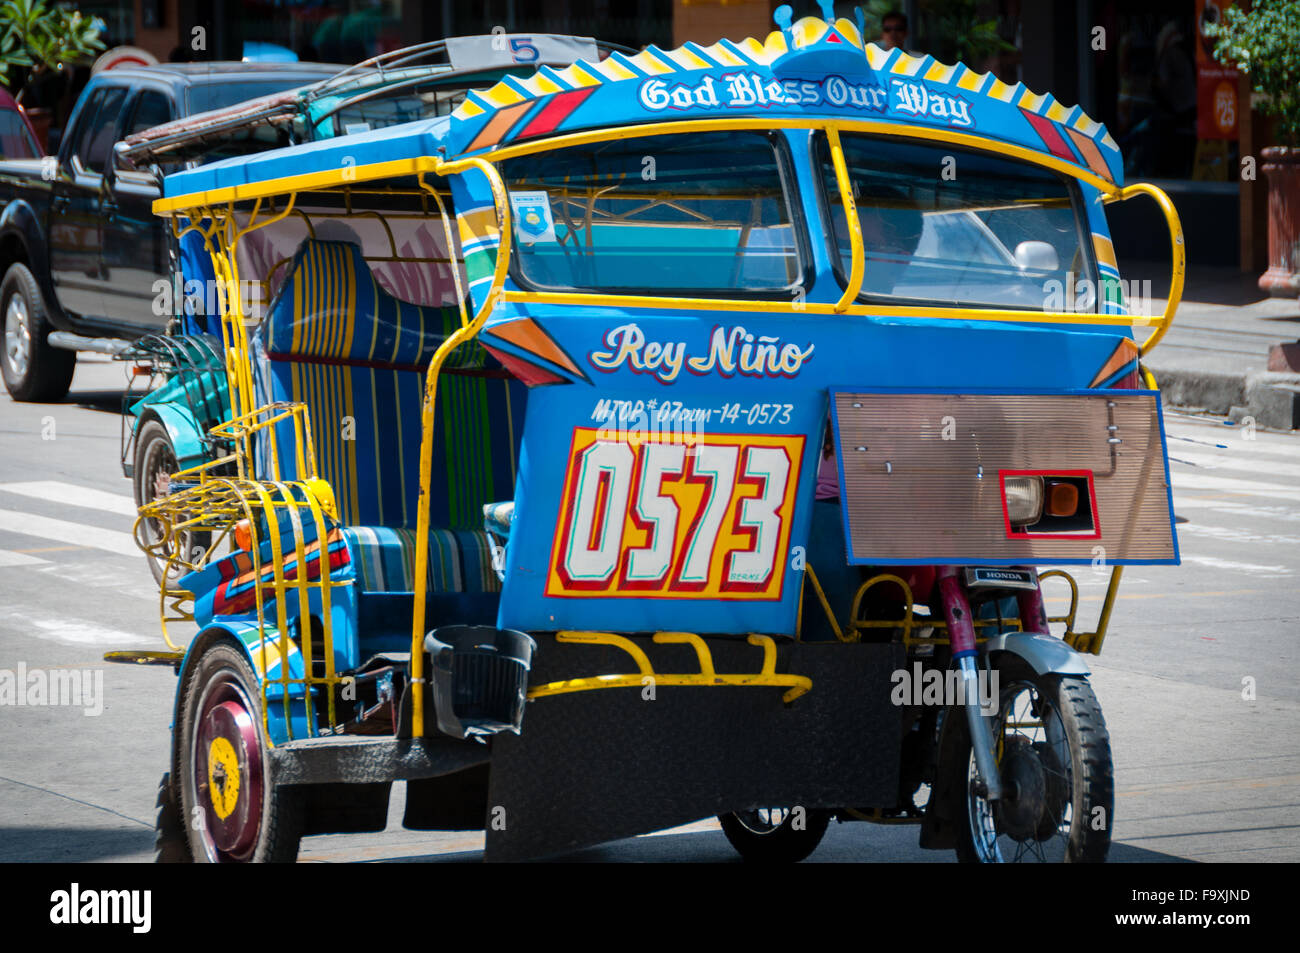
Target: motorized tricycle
column 661, row 437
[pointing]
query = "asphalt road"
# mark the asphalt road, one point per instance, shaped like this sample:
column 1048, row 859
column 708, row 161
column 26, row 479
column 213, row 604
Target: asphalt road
column 1198, row 681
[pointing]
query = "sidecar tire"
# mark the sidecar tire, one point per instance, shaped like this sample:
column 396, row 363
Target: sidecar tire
column 258, row 822
column 781, row 845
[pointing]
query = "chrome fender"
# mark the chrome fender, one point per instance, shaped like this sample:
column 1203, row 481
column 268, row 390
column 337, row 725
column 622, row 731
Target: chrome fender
column 1043, row 653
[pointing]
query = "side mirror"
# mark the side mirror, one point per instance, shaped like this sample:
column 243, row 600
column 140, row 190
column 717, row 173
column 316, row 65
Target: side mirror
column 1037, row 256
column 120, row 159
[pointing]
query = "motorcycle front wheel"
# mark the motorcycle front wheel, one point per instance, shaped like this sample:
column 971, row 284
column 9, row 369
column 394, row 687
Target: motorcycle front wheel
column 1053, row 754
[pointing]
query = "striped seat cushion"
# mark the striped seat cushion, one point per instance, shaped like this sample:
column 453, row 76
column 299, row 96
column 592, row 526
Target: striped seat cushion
column 356, row 356
column 384, row 558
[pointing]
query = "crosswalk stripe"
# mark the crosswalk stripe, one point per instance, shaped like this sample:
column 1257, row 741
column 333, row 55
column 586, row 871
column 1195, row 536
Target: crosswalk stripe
column 1197, row 481
column 1233, row 535
column 45, row 527
column 1236, row 508
column 8, row 559
column 72, row 495
column 1237, row 462
column 1252, row 568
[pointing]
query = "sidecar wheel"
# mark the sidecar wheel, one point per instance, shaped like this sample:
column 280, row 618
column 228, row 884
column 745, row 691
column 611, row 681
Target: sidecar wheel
column 155, row 461
column 226, row 781
column 1054, row 754
column 769, row 835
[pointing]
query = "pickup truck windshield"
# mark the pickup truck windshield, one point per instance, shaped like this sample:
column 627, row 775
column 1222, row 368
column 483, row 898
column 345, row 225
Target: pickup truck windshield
column 704, row 213
column 945, row 225
column 205, row 96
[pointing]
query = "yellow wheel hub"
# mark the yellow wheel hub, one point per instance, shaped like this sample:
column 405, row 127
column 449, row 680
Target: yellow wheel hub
column 223, row 777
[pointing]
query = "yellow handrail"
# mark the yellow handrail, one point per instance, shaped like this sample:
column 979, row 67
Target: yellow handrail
column 1177, row 248
column 708, row 676
column 465, row 332
column 854, row 285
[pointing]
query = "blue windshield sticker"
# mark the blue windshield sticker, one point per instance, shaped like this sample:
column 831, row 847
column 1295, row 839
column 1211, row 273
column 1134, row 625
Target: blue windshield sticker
column 532, row 213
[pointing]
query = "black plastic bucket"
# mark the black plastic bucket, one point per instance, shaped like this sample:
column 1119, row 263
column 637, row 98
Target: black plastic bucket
column 479, row 677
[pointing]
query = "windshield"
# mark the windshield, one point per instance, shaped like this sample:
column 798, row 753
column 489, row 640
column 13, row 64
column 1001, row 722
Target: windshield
column 219, row 95
column 705, row 213
column 407, row 106
column 941, row 224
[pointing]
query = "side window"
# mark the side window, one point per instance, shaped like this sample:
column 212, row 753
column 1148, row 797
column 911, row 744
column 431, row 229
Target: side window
column 96, row 142
column 151, row 109
column 80, row 134
column 15, row 141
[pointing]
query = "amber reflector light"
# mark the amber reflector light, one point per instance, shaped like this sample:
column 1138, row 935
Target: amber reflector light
column 1062, row 499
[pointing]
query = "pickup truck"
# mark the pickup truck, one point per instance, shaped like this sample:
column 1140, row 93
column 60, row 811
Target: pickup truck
column 80, row 248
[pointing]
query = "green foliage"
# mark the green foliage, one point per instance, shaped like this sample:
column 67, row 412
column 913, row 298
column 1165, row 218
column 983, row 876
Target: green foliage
column 956, row 34
column 45, row 38
column 1265, row 44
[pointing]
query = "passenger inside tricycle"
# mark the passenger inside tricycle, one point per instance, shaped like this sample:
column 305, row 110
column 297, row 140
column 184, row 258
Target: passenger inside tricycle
column 617, row 467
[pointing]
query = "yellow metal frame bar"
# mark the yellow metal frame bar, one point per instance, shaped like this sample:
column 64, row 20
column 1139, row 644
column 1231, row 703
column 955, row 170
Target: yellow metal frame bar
column 1089, row 642
column 1177, row 251
column 767, row 676
column 853, row 287
column 466, row 332
column 823, row 601
column 286, row 185
column 223, row 501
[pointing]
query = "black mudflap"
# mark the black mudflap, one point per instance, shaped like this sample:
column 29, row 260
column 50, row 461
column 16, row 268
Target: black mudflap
column 600, row 765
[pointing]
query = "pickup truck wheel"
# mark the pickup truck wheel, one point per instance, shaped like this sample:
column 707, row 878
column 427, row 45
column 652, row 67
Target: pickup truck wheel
column 33, row 370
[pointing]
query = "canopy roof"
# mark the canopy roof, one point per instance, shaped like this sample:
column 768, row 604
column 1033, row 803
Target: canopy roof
column 809, row 70
column 414, row 144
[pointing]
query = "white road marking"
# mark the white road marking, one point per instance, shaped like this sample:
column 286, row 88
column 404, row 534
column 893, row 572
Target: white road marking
column 1242, row 460
column 1197, row 481
column 1236, row 508
column 697, row 827
column 86, row 633
column 72, row 631
column 1252, row 568
column 8, row 559
column 63, row 531
column 1237, row 535
column 72, row 495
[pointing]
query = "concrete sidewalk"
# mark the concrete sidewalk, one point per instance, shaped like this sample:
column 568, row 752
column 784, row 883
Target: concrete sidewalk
column 1215, row 357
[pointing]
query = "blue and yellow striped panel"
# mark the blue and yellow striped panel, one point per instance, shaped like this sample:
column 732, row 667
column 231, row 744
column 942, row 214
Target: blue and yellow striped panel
column 355, row 356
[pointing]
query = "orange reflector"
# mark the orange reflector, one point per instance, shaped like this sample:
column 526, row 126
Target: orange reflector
column 141, row 370
column 243, row 534
column 1062, row 498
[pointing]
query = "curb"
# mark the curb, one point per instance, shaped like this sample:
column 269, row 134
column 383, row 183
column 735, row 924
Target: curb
column 1273, row 399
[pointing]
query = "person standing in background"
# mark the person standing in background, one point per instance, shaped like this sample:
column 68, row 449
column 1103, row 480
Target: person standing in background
column 893, row 30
